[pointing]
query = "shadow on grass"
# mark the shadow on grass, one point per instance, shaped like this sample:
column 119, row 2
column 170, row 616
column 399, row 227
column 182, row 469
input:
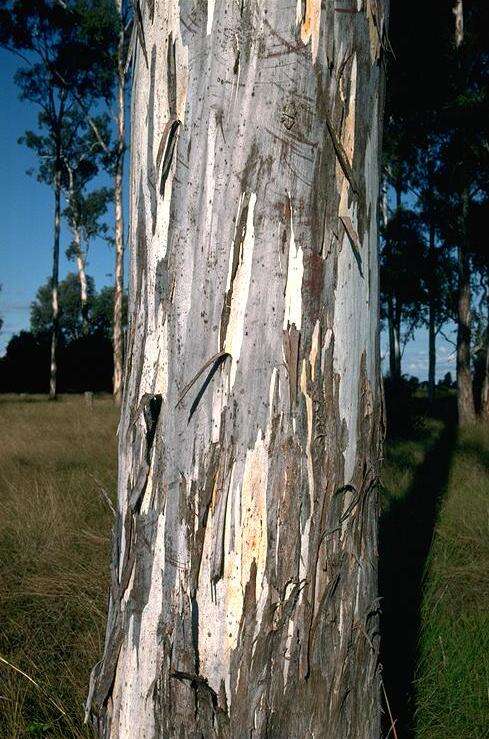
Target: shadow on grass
column 405, row 537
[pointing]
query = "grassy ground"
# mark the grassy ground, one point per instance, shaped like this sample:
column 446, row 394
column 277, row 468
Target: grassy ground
column 434, row 578
column 54, row 541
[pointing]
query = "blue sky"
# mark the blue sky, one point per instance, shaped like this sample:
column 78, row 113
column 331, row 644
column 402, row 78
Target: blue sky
column 26, row 214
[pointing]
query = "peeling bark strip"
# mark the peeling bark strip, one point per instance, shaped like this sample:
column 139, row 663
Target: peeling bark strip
column 244, row 574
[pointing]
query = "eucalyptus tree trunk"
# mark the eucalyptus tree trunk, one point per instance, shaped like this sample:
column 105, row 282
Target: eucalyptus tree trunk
column 244, row 580
column 82, row 278
column 484, row 409
column 394, row 326
column 465, row 392
column 80, row 257
column 119, row 217
column 54, row 284
column 431, row 322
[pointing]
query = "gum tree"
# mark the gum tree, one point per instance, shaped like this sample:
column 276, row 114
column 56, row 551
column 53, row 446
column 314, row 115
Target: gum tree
column 244, row 575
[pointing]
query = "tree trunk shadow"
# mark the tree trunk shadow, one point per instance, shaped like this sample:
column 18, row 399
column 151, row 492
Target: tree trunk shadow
column 405, row 537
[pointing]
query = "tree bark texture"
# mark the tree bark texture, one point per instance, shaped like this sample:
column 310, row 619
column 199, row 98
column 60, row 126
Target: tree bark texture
column 119, row 217
column 244, row 584
column 465, row 392
column 54, row 284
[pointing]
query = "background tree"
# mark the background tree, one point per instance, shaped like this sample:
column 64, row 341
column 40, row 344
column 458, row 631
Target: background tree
column 71, row 320
column 478, row 221
column 125, row 31
column 102, row 312
column 84, row 209
column 449, row 108
column 403, row 291
column 440, row 273
column 63, row 47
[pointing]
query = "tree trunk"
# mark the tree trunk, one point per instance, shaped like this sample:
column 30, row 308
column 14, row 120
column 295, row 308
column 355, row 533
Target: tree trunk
column 392, row 339
column 79, row 255
column 397, row 344
column 82, row 277
column 431, row 323
column 394, row 325
column 458, row 11
column 484, row 410
column 465, row 393
column 54, row 284
column 119, row 217
column 244, row 583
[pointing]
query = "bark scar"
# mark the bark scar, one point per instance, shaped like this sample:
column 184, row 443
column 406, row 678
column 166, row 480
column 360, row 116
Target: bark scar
column 354, row 241
column 166, row 150
column 342, row 157
column 140, row 32
column 215, row 360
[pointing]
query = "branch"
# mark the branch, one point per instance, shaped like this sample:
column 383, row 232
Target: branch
column 83, row 107
column 443, row 335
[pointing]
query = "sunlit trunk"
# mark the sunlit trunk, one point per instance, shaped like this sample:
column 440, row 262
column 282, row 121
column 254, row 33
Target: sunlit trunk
column 465, row 393
column 244, row 582
column 458, row 12
column 82, row 278
column 54, row 285
column 79, row 255
column 119, row 217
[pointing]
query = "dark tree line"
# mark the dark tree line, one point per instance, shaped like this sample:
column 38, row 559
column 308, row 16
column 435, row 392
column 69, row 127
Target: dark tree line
column 84, row 341
column 435, row 169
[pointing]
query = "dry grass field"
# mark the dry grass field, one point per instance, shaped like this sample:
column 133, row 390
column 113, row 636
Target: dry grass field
column 54, row 552
column 54, row 542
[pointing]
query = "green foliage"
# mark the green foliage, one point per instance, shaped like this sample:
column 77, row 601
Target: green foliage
column 70, row 317
column 102, row 312
column 100, row 309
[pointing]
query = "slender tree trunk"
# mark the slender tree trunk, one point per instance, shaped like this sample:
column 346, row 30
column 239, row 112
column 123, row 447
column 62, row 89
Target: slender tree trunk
column 244, row 583
column 79, row 255
column 458, row 11
column 465, row 393
column 392, row 338
column 54, row 285
column 394, row 324
column 485, row 383
column 397, row 344
column 119, row 217
column 431, row 322
column 82, row 277
column 398, row 189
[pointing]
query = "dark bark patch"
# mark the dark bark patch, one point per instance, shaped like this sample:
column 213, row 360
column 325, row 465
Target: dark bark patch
column 166, row 151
